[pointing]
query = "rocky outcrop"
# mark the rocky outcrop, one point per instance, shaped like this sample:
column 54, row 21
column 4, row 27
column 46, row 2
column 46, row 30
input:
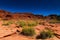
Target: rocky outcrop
column 39, row 16
column 23, row 15
column 8, row 15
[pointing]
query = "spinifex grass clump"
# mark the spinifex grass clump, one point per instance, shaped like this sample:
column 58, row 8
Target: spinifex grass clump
column 45, row 35
column 6, row 23
column 10, row 22
column 53, row 21
column 21, row 23
column 28, row 31
column 32, row 24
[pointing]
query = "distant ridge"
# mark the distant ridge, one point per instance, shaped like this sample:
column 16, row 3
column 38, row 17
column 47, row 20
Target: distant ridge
column 25, row 15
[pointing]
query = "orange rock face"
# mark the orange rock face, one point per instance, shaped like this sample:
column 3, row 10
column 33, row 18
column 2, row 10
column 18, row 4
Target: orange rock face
column 8, row 15
column 26, row 15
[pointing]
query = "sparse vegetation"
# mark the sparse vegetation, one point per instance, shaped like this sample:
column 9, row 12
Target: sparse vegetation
column 10, row 22
column 6, row 23
column 45, row 34
column 54, row 21
column 28, row 31
column 32, row 24
column 21, row 23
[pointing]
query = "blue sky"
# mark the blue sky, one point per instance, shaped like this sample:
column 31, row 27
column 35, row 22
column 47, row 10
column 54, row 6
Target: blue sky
column 44, row 7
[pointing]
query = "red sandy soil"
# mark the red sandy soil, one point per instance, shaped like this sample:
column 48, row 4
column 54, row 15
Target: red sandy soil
column 9, row 33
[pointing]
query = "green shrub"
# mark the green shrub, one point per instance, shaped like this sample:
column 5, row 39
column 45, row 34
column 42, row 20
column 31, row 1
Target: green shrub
column 28, row 31
column 46, row 34
column 21, row 23
column 54, row 21
column 10, row 22
column 32, row 24
column 7, row 23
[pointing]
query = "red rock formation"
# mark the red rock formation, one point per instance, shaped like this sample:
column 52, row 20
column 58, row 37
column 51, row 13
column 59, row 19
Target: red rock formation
column 26, row 15
column 8, row 15
column 39, row 16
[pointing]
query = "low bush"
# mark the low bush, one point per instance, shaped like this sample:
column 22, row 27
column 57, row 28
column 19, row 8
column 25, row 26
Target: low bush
column 32, row 24
column 45, row 34
column 28, row 31
column 10, row 22
column 54, row 21
column 21, row 23
column 7, row 23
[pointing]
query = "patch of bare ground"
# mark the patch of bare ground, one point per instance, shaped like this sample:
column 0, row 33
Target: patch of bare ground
column 16, row 37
